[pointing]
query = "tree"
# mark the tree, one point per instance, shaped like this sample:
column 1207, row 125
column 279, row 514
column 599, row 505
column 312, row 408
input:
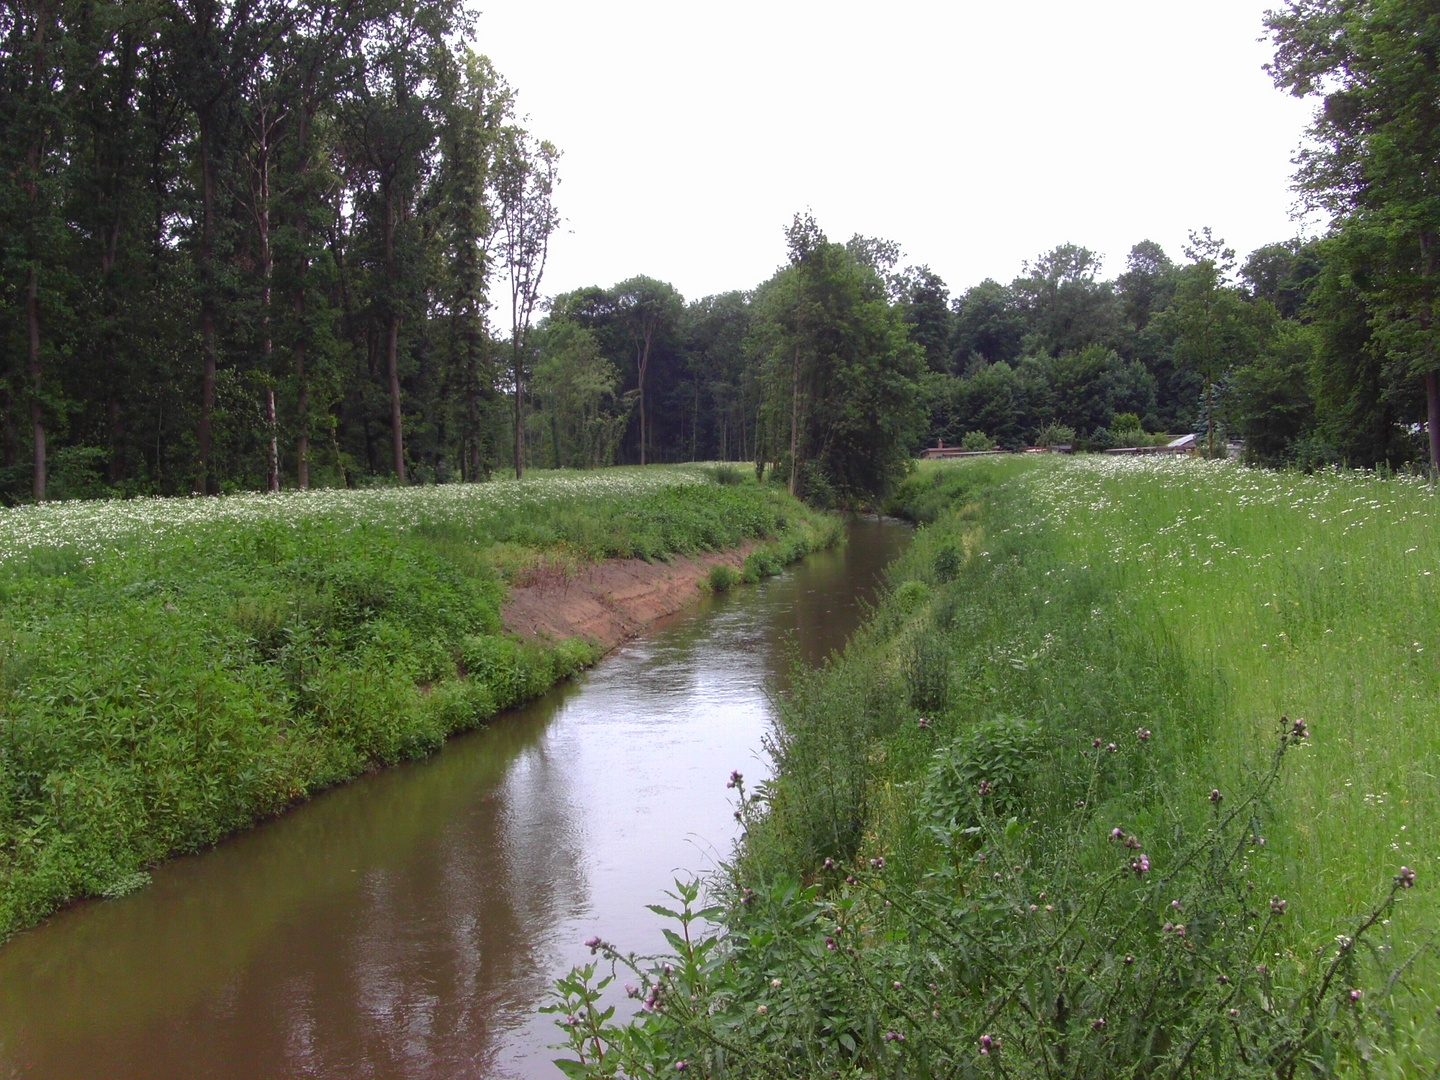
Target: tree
column 1146, row 285
column 840, row 374
column 1374, row 158
column 1271, row 404
column 579, row 391
column 33, row 109
column 216, row 45
column 478, row 104
column 648, row 309
column 927, row 311
column 392, row 122
column 988, row 324
column 1283, row 274
column 1065, row 306
column 526, row 176
column 1214, row 326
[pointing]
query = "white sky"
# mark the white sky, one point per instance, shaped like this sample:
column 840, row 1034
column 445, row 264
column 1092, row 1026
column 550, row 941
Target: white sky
column 976, row 134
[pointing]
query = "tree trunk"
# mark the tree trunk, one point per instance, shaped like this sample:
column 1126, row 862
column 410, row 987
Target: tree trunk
column 117, row 440
column 519, row 414
column 795, row 420
column 302, row 406
column 397, row 437
column 207, row 304
column 1209, row 418
column 302, row 391
column 392, row 349
column 1432, row 402
column 37, row 413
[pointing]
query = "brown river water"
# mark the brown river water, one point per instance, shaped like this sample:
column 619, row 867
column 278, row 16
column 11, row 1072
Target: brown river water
column 409, row 924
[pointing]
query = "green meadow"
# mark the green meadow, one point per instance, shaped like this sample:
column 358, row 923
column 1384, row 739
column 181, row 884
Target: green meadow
column 172, row 670
column 1133, row 773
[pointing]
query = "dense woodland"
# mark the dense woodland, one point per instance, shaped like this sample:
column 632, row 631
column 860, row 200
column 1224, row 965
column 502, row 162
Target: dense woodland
column 257, row 244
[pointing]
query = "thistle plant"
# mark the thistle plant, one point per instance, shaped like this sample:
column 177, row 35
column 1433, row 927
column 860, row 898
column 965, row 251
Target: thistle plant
column 1080, row 956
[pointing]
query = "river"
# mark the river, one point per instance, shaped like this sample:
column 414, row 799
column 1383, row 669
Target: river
column 409, row 924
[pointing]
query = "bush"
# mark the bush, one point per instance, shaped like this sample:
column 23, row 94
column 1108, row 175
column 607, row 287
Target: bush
column 727, row 475
column 722, row 577
column 1055, row 435
column 977, row 440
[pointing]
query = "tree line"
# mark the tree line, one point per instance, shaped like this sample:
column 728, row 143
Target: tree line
column 265, row 243
column 252, row 242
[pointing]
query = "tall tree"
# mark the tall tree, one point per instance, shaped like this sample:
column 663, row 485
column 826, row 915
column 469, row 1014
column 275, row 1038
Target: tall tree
column 842, row 377
column 478, row 106
column 215, row 45
column 649, row 309
column 1374, row 157
column 927, row 312
column 1066, row 305
column 393, row 127
column 33, row 111
column 527, row 173
column 1214, row 325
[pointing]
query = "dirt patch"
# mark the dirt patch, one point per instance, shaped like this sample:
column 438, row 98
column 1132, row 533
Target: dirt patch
column 612, row 601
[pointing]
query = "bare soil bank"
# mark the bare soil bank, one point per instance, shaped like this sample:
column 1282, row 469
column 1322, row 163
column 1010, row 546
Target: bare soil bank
column 610, row 602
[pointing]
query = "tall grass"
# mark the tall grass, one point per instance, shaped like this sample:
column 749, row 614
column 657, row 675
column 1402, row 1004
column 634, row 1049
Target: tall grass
column 172, row 670
column 1070, row 648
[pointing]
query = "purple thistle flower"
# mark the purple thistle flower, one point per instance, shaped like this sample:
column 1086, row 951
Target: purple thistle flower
column 1095, row 742
column 1112, row 748
column 1406, row 878
column 1140, row 865
column 1098, row 1024
column 735, row 777
column 1143, row 734
column 988, row 1043
column 985, row 788
column 1356, row 995
column 829, row 864
column 1215, row 796
column 1298, row 729
column 1277, row 906
column 830, row 943
column 1117, row 834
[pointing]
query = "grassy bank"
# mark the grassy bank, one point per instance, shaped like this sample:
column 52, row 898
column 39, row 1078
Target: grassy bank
column 1043, row 818
column 172, row 670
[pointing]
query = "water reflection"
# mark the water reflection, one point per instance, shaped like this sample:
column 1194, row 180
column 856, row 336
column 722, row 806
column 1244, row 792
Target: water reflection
column 407, row 925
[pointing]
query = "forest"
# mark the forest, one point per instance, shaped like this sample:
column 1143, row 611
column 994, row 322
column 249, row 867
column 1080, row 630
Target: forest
column 270, row 244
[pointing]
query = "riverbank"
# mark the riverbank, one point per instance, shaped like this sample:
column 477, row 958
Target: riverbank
column 1131, row 774
column 175, row 670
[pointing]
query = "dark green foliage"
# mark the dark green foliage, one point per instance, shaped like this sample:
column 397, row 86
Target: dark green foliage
column 722, row 577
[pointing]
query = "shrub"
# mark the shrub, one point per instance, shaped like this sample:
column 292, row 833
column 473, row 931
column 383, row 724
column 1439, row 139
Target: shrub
column 727, row 475
column 977, row 440
column 722, row 577
column 1055, row 435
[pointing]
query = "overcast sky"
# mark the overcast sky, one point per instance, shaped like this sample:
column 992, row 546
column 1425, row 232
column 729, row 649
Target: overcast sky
column 976, row 134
